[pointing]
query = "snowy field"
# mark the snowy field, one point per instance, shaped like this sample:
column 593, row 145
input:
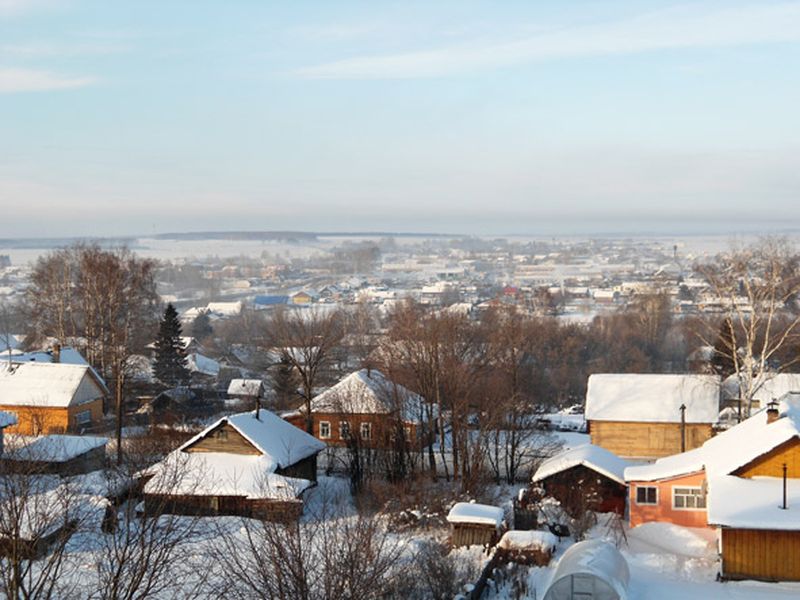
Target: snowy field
column 666, row 562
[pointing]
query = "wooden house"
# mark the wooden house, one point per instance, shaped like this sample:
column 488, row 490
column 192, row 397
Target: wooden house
column 475, row 524
column 584, row 478
column 51, row 397
column 369, row 406
column 745, row 482
column 650, row 416
column 248, row 464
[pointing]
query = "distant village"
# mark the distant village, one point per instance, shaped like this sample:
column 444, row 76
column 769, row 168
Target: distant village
column 562, row 419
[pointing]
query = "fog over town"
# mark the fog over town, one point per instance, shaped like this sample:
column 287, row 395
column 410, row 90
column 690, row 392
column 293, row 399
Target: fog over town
column 422, row 300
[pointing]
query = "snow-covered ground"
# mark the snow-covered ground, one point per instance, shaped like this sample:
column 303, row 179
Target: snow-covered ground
column 666, row 562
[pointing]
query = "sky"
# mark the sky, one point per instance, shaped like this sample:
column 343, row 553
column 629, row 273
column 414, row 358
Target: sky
column 135, row 117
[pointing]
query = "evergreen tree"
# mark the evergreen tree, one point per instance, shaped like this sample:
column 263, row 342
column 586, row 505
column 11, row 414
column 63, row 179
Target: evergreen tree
column 171, row 366
column 201, row 326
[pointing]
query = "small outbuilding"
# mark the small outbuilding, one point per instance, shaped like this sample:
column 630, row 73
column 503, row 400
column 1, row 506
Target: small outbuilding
column 475, row 524
column 596, row 473
column 55, row 454
column 527, row 547
column 590, row 570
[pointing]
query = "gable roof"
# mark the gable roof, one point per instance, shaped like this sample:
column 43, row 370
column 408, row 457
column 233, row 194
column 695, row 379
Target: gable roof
column 46, row 384
column 245, row 387
column 652, row 398
column 730, row 450
column 753, row 503
column 368, row 392
column 281, row 443
column 592, row 457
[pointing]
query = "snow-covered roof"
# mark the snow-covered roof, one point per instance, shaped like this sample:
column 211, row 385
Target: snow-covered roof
column 47, row 384
column 245, row 387
column 776, row 385
column 52, row 448
column 477, row 514
column 652, row 398
column 528, row 540
column 280, row 442
column 753, row 503
column 368, row 392
column 729, row 450
column 227, row 309
column 221, row 474
column 598, row 559
column 7, row 419
column 197, row 363
column 67, row 355
column 593, row 457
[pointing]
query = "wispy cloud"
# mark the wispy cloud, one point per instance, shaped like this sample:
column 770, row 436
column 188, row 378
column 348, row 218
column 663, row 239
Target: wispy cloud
column 14, row 80
column 687, row 27
column 16, row 7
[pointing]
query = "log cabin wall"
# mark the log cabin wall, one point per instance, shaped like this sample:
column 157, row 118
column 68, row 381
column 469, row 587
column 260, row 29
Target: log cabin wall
column 647, row 440
column 224, row 438
column 761, row 554
column 771, row 463
column 470, row 534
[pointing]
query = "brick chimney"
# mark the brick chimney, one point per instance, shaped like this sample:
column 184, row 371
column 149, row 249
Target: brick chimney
column 772, row 412
column 56, row 353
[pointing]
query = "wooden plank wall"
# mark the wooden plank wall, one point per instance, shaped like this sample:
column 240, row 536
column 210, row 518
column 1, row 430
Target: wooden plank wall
column 646, row 440
column 761, row 554
column 771, row 463
column 465, row 534
column 224, row 439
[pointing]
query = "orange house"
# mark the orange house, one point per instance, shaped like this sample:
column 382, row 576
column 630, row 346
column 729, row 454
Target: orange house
column 736, row 482
column 51, row 397
column 365, row 406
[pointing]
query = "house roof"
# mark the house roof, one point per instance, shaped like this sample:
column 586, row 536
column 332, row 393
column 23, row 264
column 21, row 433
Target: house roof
column 7, row 419
column 45, row 384
column 53, row 448
column 281, row 443
column 67, row 355
column 592, row 457
column 728, row 451
column 368, row 392
column 221, row 474
column 652, row 398
column 245, row 387
column 753, row 503
column 478, row 514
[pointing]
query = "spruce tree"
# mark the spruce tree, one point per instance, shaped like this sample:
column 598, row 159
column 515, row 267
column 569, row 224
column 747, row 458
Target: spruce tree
column 170, row 367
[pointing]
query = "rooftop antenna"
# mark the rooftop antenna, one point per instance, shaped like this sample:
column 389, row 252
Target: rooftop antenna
column 785, row 504
column 683, row 427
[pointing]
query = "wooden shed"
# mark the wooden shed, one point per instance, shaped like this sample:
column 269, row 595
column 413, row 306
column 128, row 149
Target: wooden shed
column 475, row 524
column 55, row 454
column 586, row 477
column 534, row 548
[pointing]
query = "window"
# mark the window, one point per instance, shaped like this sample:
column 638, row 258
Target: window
column 221, row 434
column 366, row 431
column 325, row 430
column 344, row 429
column 688, row 498
column 646, row 495
column 83, row 417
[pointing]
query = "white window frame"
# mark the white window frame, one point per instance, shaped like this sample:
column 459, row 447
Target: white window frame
column 83, row 417
column 344, row 430
column 692, row 488
column 322, row 434
column 365, row 430
column 645, row 487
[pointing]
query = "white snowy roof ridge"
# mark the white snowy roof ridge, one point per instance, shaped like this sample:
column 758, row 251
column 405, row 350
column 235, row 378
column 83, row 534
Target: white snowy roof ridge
column 653, row 398
column 480, row 514
column 275, row 438
column 593, row 457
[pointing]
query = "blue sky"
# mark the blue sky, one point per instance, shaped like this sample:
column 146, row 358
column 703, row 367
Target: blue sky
column 528, row 117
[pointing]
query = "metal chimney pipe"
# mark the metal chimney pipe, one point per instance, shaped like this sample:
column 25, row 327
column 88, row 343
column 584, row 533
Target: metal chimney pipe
column 785, row 504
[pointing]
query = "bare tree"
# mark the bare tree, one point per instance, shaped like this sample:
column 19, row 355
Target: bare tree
column 143, row 551
column 757, row 290
column 307, row 340
column 330, row 554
